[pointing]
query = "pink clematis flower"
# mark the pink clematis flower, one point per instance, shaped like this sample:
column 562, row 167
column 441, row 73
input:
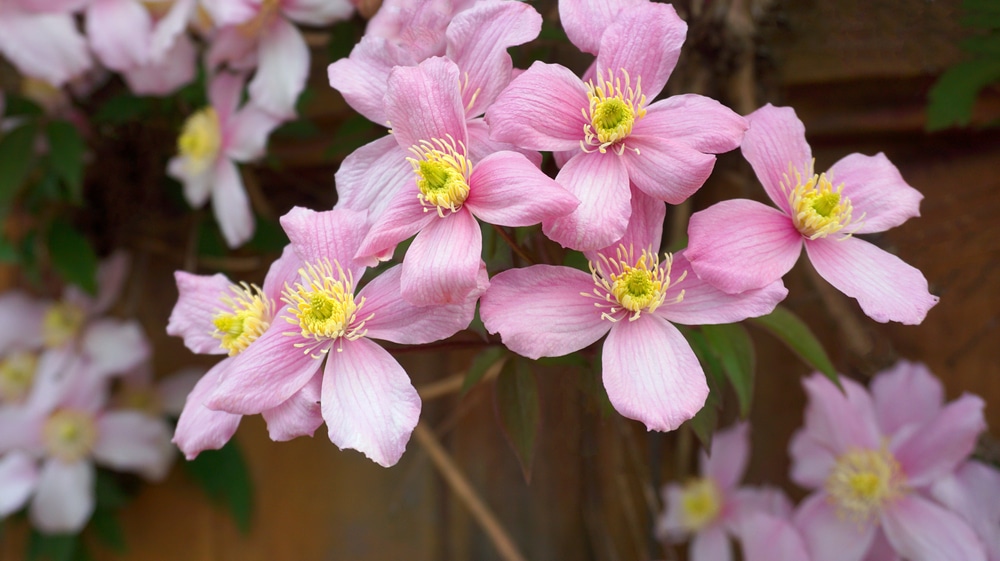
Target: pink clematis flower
column 213, row 140
column 873, row 465
column 650, row 372
column 450, row 190
column 41, row 39
column 739, row 244
column 711, row 506
column 366, row 397
column 664, row 149
column 125, row 34
column 766, row 537
column 973, row 492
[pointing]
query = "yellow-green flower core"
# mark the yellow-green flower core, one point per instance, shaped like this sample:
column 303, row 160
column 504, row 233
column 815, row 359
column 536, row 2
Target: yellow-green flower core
column 862, row 482
column 17, row 373
column 250, row 316
column 324, row 308
column 701, row 503
column 61, row 323
column 200, row 140
column 818, row 209
column 443, row 172
column 69, row 434
column 613, row 109
column 632, row 284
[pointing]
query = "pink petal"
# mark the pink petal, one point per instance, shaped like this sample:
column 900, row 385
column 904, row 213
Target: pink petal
column 877, row 190
column 394, row 319
column 175, row 69
column 114, row 346
column 119, row 32
column 362, row 77
column 481, row 145
column 368, row 402
column 230, row 204
column 710, row 544
column 233, row 48
column 739, row 245
column 64, row 497
column 811, row 460
column 744, row 502
column 585, row 20
column 281, row 70
column 644, row 230
column 40, row 6
column 830, row 537
column 944, row 442
column 695, row 121
column 507, row 189
column 886, row 288
column 702, row 304
column 776, row 140
column 316, row 12
column 670, row 526
column 23, row 425
column 881, row 549
column 441, row 266
column 600, row 182
column 906, row 393
column 18, row 478
column 46, row 46
column 651, row 374
column 20, row 321
column 666, row 170
column 224, row 91
column 299, row 416
column 540, row 109
column 920, row 530
column 973, row 492
column 198, row 302
column 170, row 28
column 645, row 41
column 539, row 310
column 840, row 420
column 478, row 39
column 132, row 441
column 370, row 176
column 769, row 538
column 402, row 219
column 728, row 457
column 230, row 12
column 246, row 133
column 284, row 271
column 425, row 103
column 334, row 235
column 197, row 187
column 200, row 428
column 111, row 276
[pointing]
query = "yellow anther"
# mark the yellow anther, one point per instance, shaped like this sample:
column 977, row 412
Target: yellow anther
column 633, row 284
column 443, row 172
column 324, row 308
column 69, row 435
column 818, row 209
column 17, row 374
column 863, row 481
column 200, row 140
column 701, row 503
column 62, row 323
column 250, row 316
column 613, row 109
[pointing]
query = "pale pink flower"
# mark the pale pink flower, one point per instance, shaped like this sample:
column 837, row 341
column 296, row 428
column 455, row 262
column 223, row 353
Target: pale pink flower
column 126, row 34
column 366, row 397
column 41, row 39
column 212, row 142
column 871, row 482
column 973, row 492
column 632, row 294
column 175, row 69
column 447, row 189
column 740, row 244
column 766, row 537
column 712, row 506
column 664, row 149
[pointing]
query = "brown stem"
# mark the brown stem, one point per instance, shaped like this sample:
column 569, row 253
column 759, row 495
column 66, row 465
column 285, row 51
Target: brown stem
column 513, row 245
column 453, row 384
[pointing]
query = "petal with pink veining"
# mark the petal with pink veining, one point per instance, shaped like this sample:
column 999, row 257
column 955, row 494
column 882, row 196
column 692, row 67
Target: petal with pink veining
column 664, row 169
column 644, row 41
column 442, row 264
column 840, row 420
column 695, row 121
column 299, row 416
column 424, row 103
column 507, row 189
column 198, row 302
column 282, row 68
column 64, row 497
column 402, row 219
column 284, row 270
column 585, row 20
column 942, row 443
column 828, row 536
column 361, row 78
column 481, row 145
column 370, row 176
column 776, row 140
column 906, row 393
column 230, row 204
column 920, row 530
column 876, row 190
column 200, row 428
column 600, row 182
column 333, row 234
column 644, row 230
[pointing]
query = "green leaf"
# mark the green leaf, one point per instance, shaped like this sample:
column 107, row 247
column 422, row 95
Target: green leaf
column 516, row 397
column 71, row 254
column 706, row 356
column 108, row 493
column 480, row 364
column 122, row 109
column 954, row 94
column 8, row 251
column 17, row 106
column 17, row 157
column 52, row 547
column 986, row 45
column 732, row 345
column 268, row 237
column 705, row 422
column 223, row 476
column 66, row 150
column 108, row 529
column 794, row 333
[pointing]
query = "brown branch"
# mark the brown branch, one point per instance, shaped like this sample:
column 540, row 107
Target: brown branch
column 520, row 251
column 453, row 384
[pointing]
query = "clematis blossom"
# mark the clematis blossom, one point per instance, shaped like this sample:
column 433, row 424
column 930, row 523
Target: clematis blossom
column 41, row 39
column 126, row 34
column 634, row 296
column 740, row 244
column 617, row 138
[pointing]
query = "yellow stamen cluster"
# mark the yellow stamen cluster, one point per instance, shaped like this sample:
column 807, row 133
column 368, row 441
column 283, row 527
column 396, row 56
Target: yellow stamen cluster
column 324, row 308
column 250, row 317
column 61, row 323
column 252, row 28
column 613, row 109
column 69, row 434
column 863, row 481
column 818, row 209
column 17, row 373
column 701, row 503
column 632, row 284
column 200, row 140
column 443, row 170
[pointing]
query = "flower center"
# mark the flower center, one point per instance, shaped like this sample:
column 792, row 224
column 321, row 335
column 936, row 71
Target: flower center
column 200, row 140
column 253, row 27
column 17, row 372
column 69, row 435
column 61, row 323
column 818, row 209
column 250, row 317
column 701, row 503
column 324, row 308
column 628, row 284
column 863, row 481
column 613, row 109
column 443, row 171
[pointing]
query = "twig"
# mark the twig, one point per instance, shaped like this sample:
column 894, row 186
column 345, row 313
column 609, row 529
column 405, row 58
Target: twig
column 466, row 494
column 856, row 338
column 453, row 384
column 513, row 245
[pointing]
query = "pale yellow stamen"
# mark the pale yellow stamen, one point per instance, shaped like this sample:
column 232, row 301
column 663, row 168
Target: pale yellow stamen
column 250, row 317
column 17, row 373
column 862, row 482
column 818, row 209
column 443, row 170
column 613, row 109
column 630, row 284
column 200, row 140
column 701, row 503
column 324, row 308
column 61, row 323
column 69, row 435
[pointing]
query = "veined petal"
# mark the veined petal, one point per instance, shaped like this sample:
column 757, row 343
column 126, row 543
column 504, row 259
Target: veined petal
column 585, row 20
column 361, row 78
column 246, row 133
column 811, row 460
column 403, row 218
column 830, row 537
column 541, row 109
column 886, row 288
column 18, row 478
column 644, row 41
column 368, row 401
column 664, row 169
column 540, row 311
column 728, row 457
column 442, row 264
column 316, row 12
column 230, row 203
column 481, row 145
column 424, row 102
column 198, row 302
column 64, row 497
column 200, row 428
column 284, row 270
column 506, row 189
column 710, row 544
column 776, row 140
column 906, row 393
column 651, row 374
column 920, row 530
column 942, row 443
column 877, row 190
column 47, row 46
column 333, row 234
column 299, row 416
column 600, row 182
column 119, row 32
column 281, row 70
column 370, row 176
column 133, row 441
column 840, row 420
column 695, row 121
column 394, row 319
column 739, row 245
column 644, row 230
